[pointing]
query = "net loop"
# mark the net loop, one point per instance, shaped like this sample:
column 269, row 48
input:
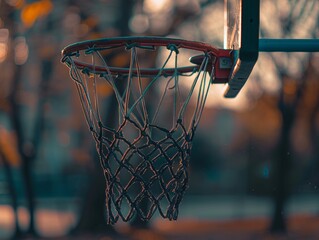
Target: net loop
column 173, row 48
column 73, row 54
column 91, row 50
column 128, row 46
column 86, row 71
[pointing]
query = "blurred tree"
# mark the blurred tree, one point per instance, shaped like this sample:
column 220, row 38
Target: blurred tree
column 8, row 153
column 27, row 146
column 311, row 106
column 293, row 71
column 283, row 163
column 10, row 159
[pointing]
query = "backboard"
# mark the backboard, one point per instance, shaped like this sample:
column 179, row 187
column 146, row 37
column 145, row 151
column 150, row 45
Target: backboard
column 241, row 34
column 232, row 24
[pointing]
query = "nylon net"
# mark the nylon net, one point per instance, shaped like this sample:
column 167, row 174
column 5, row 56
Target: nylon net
column 144, row 126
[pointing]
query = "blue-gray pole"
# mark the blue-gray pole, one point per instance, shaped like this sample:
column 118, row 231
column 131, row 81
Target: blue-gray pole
column 288, row 45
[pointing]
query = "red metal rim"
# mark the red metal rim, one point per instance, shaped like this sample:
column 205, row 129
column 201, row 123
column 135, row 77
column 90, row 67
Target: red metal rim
column 144, row 72
column 108, row 43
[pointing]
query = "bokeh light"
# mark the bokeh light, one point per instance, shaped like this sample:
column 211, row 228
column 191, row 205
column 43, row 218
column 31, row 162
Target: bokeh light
column 139, row 23
column 21, row 50
column 4, row 36
column 156, row 6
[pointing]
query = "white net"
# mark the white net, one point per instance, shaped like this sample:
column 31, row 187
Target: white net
column 145, row 142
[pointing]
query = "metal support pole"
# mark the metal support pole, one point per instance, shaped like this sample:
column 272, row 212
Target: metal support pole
column 288, row 45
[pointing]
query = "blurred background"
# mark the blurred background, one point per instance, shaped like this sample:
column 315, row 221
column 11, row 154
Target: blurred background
column 253, row 170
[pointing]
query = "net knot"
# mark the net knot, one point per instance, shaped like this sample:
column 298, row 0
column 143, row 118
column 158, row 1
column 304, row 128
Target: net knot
column 179, row 121
column 103, row 75
column 173, row 48
column 90, row 50
column 143, row 133
column 188, row 138
column 117, row 135
column 86, row 71
column 67, row 58
column 73, row 54
column 128, row 46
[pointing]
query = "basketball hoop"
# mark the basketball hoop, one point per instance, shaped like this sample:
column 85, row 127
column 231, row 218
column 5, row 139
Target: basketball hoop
column 145, row 154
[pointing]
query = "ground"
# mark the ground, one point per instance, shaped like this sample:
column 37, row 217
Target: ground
column 220, row 218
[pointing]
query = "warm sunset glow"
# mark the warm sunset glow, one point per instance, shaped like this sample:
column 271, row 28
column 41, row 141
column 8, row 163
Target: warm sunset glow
column 31, row 12
column 3, row 51
column 4, row 35
column 8, row 144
